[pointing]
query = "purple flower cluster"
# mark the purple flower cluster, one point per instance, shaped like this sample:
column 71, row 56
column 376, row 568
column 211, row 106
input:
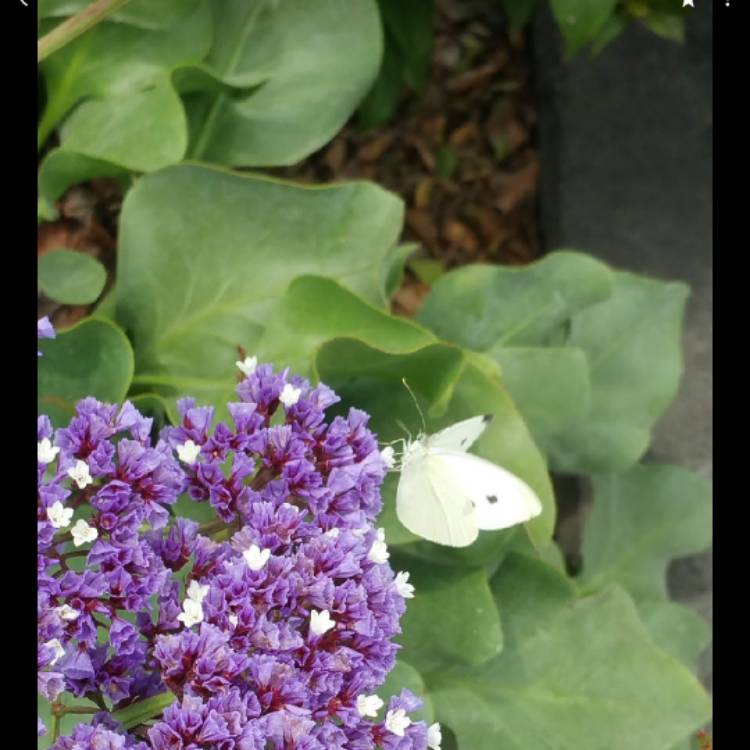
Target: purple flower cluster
column 271, row 625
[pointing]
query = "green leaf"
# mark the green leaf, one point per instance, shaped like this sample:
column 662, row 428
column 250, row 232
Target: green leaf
column 71, row 278
column 573, row 673
column 372, row 379
column 427, row 269
column 314, row 310
column 393, row 268
column 403, row 675
column 580, row 21
column 383, row 97
column 641, row 520
column 550, row 386
column 205, row 254
column 118, row 59
column 411, row 25
column 308, row 89
column 461, row 602
column 676, row 629
column 615, row 25
column 633, row 345
column 60, row 169
column 93, row 358
column 667, row 25
column 483, row 306
column 520, row 12
column 140, row 131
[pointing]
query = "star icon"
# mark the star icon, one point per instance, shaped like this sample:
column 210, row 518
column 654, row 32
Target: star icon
column 685, row 3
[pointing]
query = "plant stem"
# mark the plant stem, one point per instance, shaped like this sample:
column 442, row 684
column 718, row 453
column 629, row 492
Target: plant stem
column 55, row 726
column 210, row 527
column 79, row 710
column 141, row 711
column 75, row 26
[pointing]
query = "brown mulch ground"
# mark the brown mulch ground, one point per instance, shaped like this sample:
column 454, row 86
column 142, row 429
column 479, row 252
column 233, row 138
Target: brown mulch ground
column 461, row 153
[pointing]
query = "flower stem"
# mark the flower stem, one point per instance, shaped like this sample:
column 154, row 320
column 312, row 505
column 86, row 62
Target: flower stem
column 141, row 711
column 75, row 26
column 79, row 710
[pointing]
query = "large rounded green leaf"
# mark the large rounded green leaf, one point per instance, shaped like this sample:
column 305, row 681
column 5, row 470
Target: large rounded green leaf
column 141, row 131
column 315, row 59
column 93, row 358
column 452, row 618
column 641, row 520
column 205, row 254
column 676, row 629
column 633, row 345
column 314, row 310
column 550, row 386
column 482, row 306
column 117, row 59
column 574, row 673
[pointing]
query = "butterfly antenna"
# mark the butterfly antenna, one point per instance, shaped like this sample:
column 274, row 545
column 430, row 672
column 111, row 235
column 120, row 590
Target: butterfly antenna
column 404, row 428
column 416, row 403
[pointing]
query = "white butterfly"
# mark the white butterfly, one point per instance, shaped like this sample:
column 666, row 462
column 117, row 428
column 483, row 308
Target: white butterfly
column 447, row 495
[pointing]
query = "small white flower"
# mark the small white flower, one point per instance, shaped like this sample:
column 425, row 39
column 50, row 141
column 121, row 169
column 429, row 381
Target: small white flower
column 332, row 533
column 80, row 474
column 404, row 588
column 369, row 705
column 434, row 736
column 388, row 456
column 83, row 533
column 59, row 516
column 379, row 553
column 248, row 365
column 289, row 395
column 188, row 452
column 321, row 622
column 397, row 721
column 45, row 451
column 233, row 619
column 66, row 613
column 192, row 613
column 196, row 592
column 58, row 649
column 255, row 557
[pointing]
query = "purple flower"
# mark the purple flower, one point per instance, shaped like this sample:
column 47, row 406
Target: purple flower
column 44, row 330
column 90, row 737
column 267, row 633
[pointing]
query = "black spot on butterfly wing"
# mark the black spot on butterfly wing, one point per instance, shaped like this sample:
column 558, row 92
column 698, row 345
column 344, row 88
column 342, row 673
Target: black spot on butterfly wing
column 491, row 499
column 487, row 418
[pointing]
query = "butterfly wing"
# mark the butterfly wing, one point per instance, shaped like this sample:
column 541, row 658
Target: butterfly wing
column 460, row 436
column 500, row 499
column 431, row 502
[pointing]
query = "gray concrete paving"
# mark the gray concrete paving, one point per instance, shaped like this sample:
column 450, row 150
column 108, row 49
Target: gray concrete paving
column 626, row 140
